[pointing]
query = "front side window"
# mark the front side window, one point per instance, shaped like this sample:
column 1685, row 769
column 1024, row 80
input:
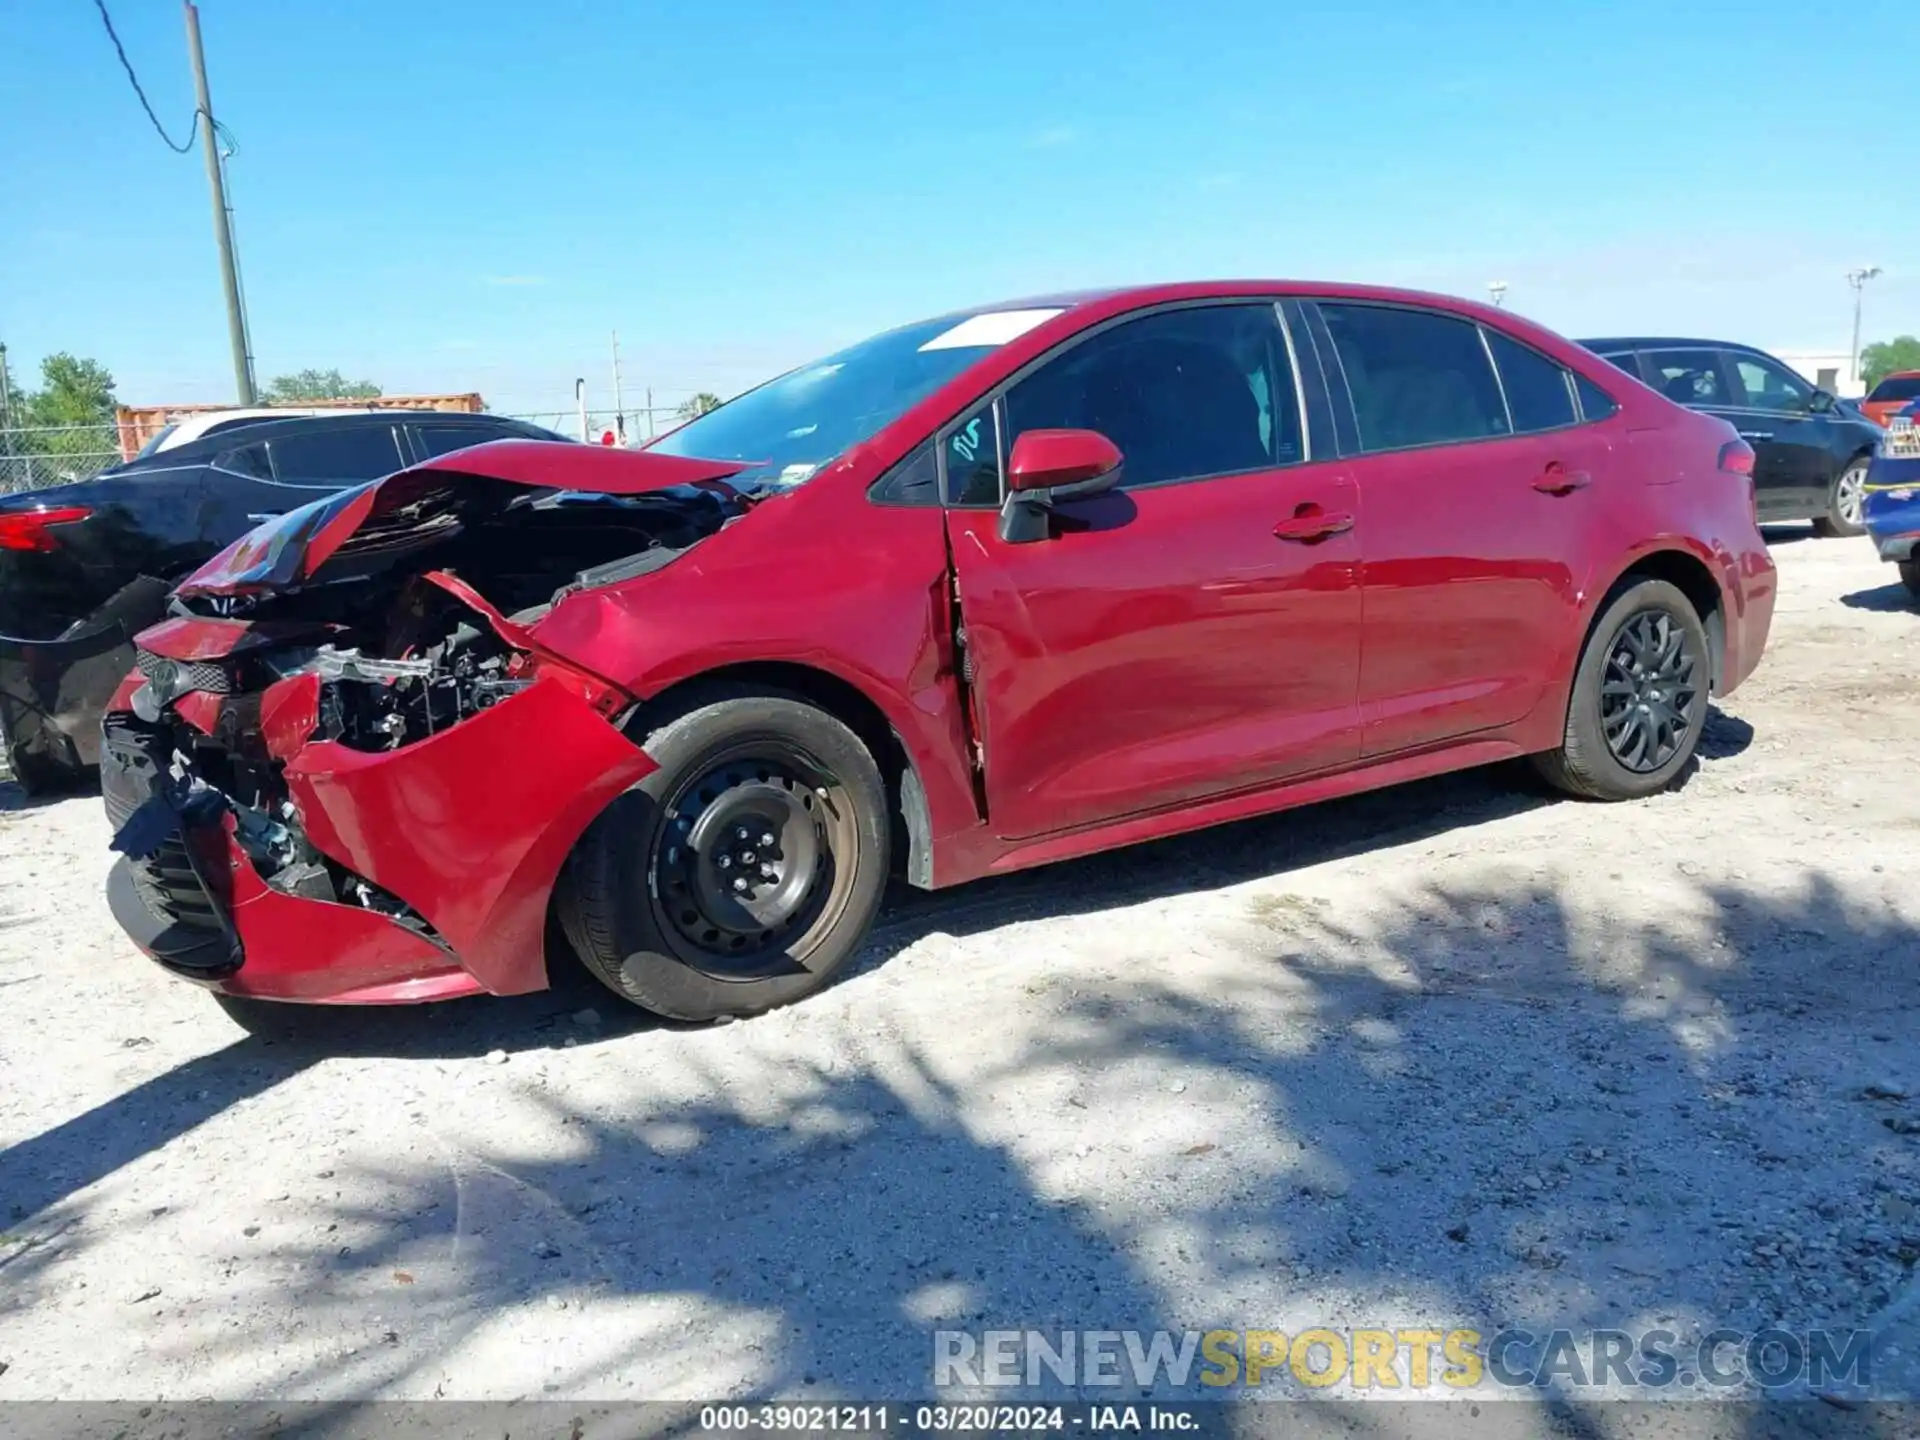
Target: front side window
column 1184, row 394
column 971, row 454
column 336, row 456
column 791, row 427
column 1539, row 395
column 1769, row 387
column 1416, row 377
column 1688, row 377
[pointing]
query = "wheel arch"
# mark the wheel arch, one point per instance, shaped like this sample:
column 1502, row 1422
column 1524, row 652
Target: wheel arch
column 839, row 697
column 1692, row 577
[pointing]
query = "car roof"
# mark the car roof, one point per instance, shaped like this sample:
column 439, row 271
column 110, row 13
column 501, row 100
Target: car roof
column 1130, row 296
column 190, row 428
column 1666, row 342
column 245, row 427
column 221, row 422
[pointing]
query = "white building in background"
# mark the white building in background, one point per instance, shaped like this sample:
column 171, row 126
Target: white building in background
column 1829, row 369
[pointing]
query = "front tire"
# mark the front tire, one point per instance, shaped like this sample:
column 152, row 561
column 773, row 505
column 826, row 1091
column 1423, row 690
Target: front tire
column 1639, row 698
column 1844, row 501
column 744, row 872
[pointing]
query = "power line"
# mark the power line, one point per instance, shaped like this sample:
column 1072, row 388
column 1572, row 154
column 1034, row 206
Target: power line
column 134, row 79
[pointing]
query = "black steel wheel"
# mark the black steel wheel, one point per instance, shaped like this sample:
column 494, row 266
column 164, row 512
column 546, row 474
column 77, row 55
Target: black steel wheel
column 1639, row 696
column 744, row 872
column 748, row 860
column 1649, row 697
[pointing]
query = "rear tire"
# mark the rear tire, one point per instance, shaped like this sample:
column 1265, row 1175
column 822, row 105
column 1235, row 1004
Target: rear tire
column 1639, row 698
column 1844, row 501
column 744, row 872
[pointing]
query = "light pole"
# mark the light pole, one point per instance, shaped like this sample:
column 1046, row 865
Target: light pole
column 1497, row 292
column 1857, row 278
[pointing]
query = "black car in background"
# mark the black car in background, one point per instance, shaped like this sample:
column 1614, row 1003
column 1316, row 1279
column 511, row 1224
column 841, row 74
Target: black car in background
column 1811, row 451
column 84, row 567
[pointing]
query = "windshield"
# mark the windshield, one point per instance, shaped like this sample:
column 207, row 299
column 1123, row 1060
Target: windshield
column 792, row 426
column 1898, row 387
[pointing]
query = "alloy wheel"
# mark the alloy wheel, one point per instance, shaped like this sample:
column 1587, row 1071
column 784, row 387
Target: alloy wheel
column 1850, row 494
column 1649, row 693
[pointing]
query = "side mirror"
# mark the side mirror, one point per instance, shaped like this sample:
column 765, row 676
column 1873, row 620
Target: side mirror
column 1050, row 466
column 1821, row 403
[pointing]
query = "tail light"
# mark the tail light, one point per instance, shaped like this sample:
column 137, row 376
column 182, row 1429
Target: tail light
column 1736, row 458
column 31, row 529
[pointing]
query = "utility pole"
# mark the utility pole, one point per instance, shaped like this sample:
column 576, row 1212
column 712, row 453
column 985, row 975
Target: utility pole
column 1857, row 278
column 222, row 232
column 580, row 403
column 649, row 412
column 619, row 410
column 6, row 408
column 1497, row 292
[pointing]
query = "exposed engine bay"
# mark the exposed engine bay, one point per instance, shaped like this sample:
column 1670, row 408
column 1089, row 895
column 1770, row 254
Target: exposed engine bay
column 416, row 620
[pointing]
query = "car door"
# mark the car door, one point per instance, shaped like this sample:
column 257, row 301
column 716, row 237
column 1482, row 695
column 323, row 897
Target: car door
column 1776, row 406
column 1469, row 576
column 1164, row 643
column 1701, row 378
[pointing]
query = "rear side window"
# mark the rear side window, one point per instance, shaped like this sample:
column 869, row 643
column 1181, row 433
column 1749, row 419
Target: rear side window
column 1539, row 392
column 1625, row 360
column 1688, row 377
column 1595, row 403
column 248, row 460
column 362, row 453
column 1897, row 387
column 1417, row 378
column 442, row 439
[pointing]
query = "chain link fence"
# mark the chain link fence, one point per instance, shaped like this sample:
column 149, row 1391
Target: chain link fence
column 35, row 457
column 55, row 455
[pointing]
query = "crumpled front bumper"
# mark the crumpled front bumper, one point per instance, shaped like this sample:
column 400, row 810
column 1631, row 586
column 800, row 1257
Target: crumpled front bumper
column 468, row 827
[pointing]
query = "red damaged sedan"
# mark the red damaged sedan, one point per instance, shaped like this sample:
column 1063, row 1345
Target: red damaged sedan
column 995, row 589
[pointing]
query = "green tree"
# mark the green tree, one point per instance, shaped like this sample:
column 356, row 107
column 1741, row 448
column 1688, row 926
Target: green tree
column 72, row 392
column 1883, row 357
column 699, row 405
column 309, row 385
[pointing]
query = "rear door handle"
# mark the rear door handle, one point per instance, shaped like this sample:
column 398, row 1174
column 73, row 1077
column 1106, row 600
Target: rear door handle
column 1756, row 434
column 1558, row 480
column 1313, row 523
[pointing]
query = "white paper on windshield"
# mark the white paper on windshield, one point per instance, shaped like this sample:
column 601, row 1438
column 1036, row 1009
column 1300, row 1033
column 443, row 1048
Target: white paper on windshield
column 996, row 327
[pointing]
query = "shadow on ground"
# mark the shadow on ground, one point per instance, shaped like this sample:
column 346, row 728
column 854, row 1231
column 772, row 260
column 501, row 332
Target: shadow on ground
column 1498, row 1109
column 1885, row 598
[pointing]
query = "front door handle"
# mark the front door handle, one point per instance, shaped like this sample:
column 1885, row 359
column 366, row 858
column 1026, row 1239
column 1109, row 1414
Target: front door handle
column 1556, row 479
column 1311, row 523
column 266, row 515
column 1756, row 434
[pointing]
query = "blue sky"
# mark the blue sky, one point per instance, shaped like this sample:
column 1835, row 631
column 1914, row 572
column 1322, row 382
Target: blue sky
column 471, row 196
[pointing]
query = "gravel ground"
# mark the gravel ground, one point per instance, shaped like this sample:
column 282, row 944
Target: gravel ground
column 1451, row 1054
